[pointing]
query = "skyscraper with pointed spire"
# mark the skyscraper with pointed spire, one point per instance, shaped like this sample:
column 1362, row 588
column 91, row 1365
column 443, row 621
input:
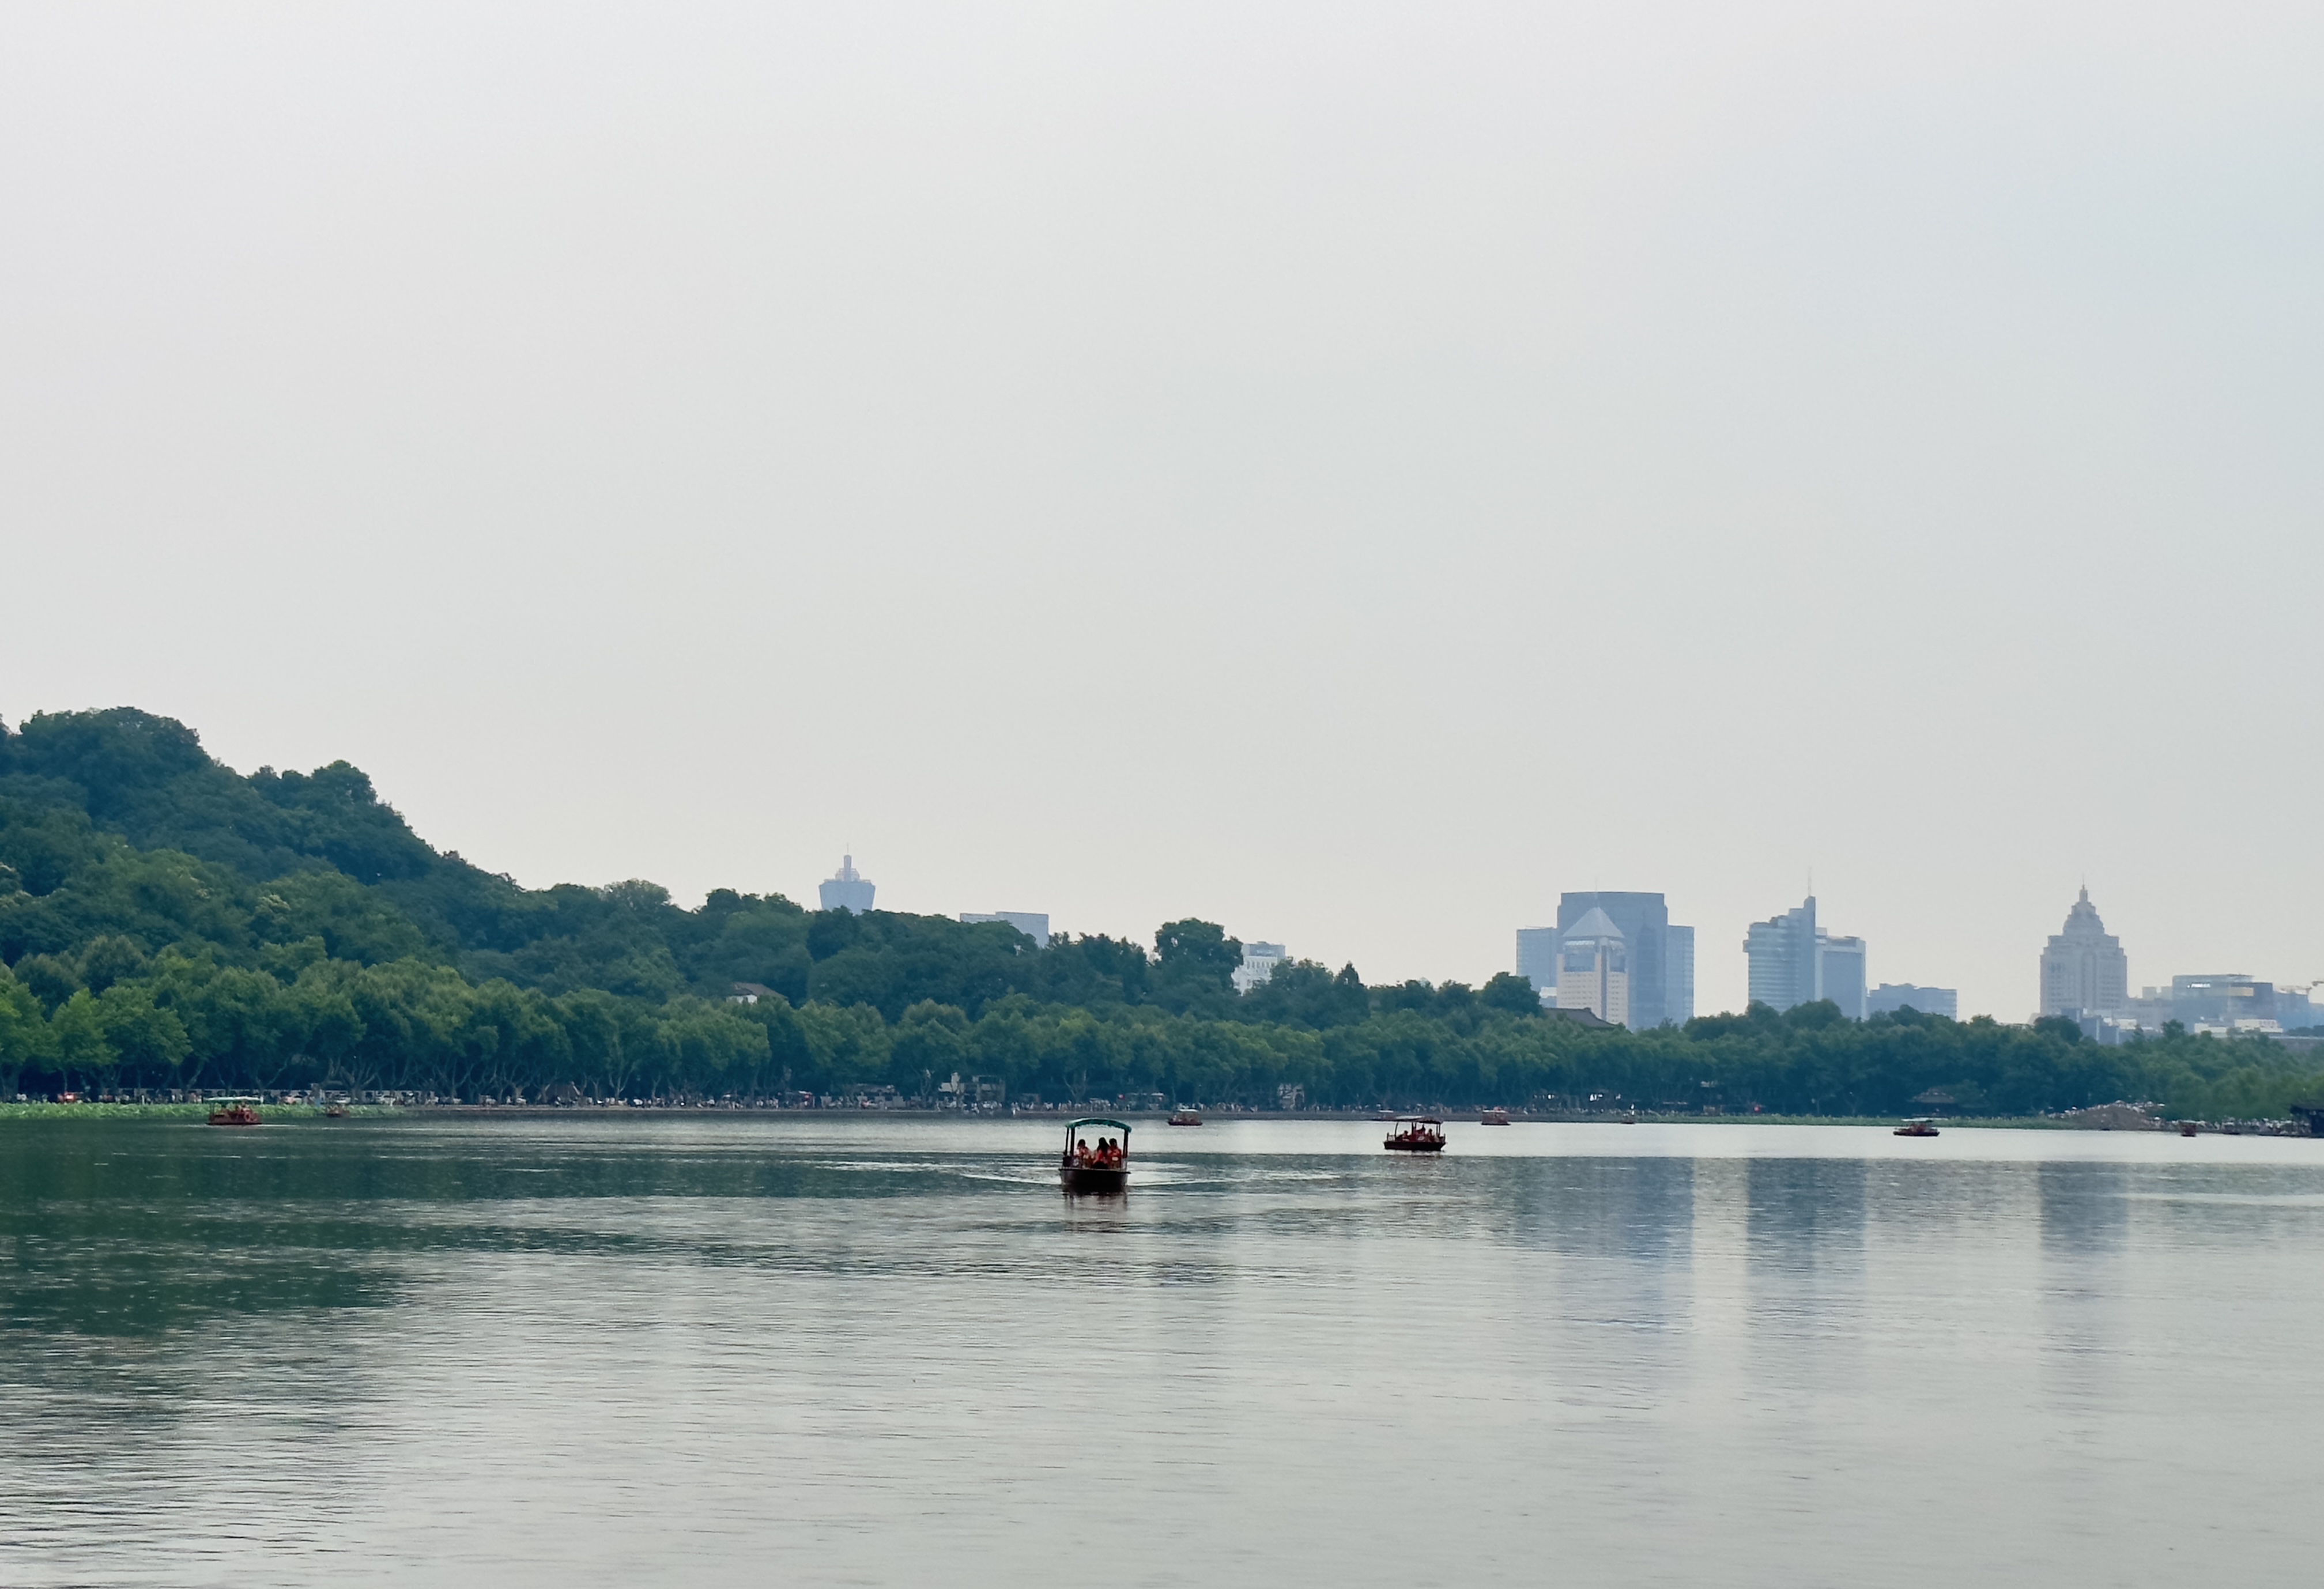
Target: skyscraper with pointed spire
column 2084, row 971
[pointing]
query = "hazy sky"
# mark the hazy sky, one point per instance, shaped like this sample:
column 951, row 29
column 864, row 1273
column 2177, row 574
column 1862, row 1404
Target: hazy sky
column 1347, row 471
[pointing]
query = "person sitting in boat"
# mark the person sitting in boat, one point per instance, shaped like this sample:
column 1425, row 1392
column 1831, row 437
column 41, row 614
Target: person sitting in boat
column 1082, row 1152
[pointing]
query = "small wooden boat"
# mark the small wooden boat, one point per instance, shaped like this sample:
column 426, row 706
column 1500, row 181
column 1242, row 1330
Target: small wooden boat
column 2187, row 1128
column 1099, row 1166
column 1922, row 1126
column 1415, row 1133
column 1185, row 1117
column 338, row 1111
column 235, row 1112
column 1494, row 1117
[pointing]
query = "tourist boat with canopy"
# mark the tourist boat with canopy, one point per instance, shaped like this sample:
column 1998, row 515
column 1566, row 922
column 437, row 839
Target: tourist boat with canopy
column 1494, row 1117
column 235, row 1110
column 1921, row 1125
column 1415, row 1133
column 1186, row 1116
column 1102, row 1166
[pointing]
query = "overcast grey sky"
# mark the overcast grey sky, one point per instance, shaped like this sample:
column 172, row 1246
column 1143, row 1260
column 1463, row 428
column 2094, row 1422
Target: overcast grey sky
column 1348, row 471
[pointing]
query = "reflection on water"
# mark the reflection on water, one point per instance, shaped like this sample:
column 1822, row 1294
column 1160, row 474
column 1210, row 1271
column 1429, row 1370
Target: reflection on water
column 811, row 1350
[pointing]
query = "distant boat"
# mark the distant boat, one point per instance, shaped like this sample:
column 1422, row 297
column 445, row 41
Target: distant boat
column 1185, row 1117
column 1921, row 1126
column 2187, row 1128
column 1415, row 1133
column 1494, row 1117
column 1082, row 1169
column 338, row 1111
column 235, row 1112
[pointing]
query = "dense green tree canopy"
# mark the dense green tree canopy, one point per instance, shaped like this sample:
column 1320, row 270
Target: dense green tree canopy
column 167, row 922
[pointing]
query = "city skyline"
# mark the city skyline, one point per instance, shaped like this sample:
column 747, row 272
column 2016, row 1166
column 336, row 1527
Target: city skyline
column 1856, row 992
column 1420, row 370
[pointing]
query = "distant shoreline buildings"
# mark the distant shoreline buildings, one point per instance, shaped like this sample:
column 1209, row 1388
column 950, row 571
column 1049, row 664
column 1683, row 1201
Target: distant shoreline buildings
column 1655, row 970
column 1890, row 997
column 1033, row 923
column 1794, row 961
column 2086, row 979
column 1258, row 963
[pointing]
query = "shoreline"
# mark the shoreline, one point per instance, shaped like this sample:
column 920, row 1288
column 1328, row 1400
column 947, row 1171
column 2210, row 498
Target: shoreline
column 161, row 1111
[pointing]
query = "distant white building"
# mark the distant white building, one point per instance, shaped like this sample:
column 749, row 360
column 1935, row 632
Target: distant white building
column 1033, row 923
column 1892, row 996
column 1593, row 968
column 1258, row 963
column 847, row 889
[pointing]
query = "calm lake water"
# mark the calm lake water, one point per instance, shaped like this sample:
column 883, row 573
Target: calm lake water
column 827, row 1349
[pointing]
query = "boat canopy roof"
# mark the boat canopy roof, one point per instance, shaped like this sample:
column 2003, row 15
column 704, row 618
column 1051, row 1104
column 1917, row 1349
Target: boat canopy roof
column 231, row 1098
column 1417, row 1120
column 1121, row 1125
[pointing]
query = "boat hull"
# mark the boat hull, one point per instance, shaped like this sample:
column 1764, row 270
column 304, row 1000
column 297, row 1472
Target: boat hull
column 1083, row 1179
column 1393, row 1146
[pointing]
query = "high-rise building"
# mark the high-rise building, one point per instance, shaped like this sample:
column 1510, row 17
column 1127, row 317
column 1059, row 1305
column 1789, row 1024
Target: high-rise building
column 1678, row 974
column 1840, row 973
column 1780, row 953
column 1892, row 996
column 1537, row 960
column 1593, row 968
column 1660, row 957
column 1033, row 923
column 1793, row 961
column 846, row 889
column 1258, row 963
column 2084, row 971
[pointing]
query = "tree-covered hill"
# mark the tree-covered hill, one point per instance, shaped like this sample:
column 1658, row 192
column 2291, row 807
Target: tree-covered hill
column 167, row 922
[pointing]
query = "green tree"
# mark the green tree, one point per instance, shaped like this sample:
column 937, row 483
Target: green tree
column 147, row 1041
column 25, row 1041
column 79, row 1028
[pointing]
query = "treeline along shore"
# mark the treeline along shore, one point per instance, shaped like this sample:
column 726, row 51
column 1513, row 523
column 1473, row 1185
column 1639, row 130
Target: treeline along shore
column 168, row 923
